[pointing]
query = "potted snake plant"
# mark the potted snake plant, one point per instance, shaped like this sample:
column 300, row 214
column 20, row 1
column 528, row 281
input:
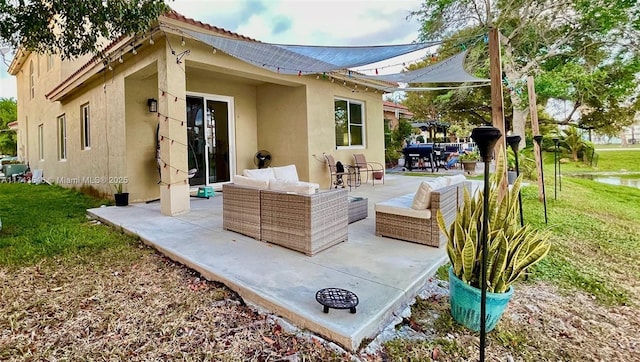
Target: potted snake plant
column 512, row 249
column 121, row 197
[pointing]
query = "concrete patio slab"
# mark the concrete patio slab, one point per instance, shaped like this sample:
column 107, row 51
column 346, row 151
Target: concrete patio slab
column 385, row 273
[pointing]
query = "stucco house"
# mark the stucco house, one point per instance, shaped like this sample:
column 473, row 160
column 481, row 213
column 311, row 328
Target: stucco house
column 393, row 112
column 164, row 112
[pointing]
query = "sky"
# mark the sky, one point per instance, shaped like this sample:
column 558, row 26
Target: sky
column 306, row 22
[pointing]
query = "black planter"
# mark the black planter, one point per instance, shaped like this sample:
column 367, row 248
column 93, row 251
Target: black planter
column 122, row 199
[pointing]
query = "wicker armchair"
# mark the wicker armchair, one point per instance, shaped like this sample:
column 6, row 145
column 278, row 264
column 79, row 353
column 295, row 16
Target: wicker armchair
column 422, row 230
column 305, row 223
column 241, row 210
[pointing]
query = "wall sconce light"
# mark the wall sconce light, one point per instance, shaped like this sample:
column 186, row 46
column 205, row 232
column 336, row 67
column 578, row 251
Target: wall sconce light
column 152, row 103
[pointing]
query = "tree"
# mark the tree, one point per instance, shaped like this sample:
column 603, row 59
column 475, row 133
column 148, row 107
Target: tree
column 397, row 140
column 534, row 33
column 573, row 142
column 8, row 114
column 603, row 95
column 72, row 28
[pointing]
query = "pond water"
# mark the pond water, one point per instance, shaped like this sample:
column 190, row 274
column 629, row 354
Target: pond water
column 614, row 180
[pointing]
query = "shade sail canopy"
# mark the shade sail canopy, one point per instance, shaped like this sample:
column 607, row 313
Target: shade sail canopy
column 304, row 59
column 450, row 70
column 296, row 59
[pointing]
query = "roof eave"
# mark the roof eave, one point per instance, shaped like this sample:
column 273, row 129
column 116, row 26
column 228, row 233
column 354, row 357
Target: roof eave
column 18, row 61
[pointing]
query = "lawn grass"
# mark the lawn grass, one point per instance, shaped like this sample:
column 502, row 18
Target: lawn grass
column 562, row 310
column 49, row 221
column 595, row 238
column 623, row 160
column 73, row 289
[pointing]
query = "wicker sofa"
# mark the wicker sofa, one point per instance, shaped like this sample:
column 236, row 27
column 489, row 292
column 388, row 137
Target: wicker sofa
column 288, row 213
column 412, row 217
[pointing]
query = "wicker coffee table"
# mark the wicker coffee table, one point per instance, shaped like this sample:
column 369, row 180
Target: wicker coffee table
column 358, row 208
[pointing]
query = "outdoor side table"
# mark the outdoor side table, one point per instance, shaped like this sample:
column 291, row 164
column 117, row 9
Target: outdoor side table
column 358, row 208
column 337, row 298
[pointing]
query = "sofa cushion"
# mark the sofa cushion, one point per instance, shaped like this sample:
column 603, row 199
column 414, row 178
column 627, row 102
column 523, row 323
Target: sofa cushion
column 422, row 198
column 289, row 173
column 251, row 182
column 402, row 206
column 455, row 179
column 298, row 187
column 259, row 173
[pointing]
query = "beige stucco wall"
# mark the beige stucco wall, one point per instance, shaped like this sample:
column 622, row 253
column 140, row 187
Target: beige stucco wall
column 321, row 123
column 141, row 165
column 282, row 126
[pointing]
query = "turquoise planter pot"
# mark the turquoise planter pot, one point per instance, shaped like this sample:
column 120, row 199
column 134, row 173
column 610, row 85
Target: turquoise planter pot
column 465, row 304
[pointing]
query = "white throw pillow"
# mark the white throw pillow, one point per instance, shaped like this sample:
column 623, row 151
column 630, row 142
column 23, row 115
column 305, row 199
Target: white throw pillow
column 289, row 173
column 251, row 182
column 259, row 173
column 422, row 198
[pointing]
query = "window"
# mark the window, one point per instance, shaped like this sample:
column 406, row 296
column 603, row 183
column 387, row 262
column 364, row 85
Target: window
column 41, row 142
column 349, row 123
column 85, row 127
column 62, row 138
column 32, row 80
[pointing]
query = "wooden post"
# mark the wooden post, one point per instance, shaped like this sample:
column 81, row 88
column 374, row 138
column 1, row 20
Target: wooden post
column 497, row 101
column 533, row 109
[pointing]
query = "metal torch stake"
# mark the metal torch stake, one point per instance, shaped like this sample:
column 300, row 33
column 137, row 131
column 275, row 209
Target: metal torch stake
column 514, row 143
column 485, row 138
column 538, row 140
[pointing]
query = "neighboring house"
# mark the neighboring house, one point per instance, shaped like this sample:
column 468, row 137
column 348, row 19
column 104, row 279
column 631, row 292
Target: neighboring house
column 393, row 112
column 98, row 121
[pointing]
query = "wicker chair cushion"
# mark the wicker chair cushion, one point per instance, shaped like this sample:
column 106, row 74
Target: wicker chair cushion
column 299, row 187
column 422, row 198
column 251, row 182
column 259, row 173
column 402, row 206
column 289, row 173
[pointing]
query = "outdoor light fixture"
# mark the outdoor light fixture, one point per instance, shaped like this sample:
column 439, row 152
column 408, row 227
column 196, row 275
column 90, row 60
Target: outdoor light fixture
column 538, row 139
column 152, row 103
column 485, row 138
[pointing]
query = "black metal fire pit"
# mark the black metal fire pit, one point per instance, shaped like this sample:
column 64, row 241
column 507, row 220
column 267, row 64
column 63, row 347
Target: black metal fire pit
column 337, row 298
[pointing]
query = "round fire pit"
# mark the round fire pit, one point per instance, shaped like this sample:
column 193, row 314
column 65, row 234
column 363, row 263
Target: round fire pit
column 337, row 298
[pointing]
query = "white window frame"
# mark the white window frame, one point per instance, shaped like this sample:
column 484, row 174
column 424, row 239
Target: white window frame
column 349, row 124
column 32, row 81
column 62, row 138
column 41, row 141
column 85, row 126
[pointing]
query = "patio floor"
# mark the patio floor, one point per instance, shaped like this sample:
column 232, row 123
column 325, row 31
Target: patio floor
column 385, row 273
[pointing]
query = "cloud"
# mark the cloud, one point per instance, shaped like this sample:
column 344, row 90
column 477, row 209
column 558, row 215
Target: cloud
column 310, row 22
column 282, row 25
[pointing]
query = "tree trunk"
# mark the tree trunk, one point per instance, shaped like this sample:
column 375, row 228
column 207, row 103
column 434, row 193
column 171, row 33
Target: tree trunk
column 519, row 120
column 520, row 109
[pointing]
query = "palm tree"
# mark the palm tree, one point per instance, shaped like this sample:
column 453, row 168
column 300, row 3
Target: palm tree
column 573, row 141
